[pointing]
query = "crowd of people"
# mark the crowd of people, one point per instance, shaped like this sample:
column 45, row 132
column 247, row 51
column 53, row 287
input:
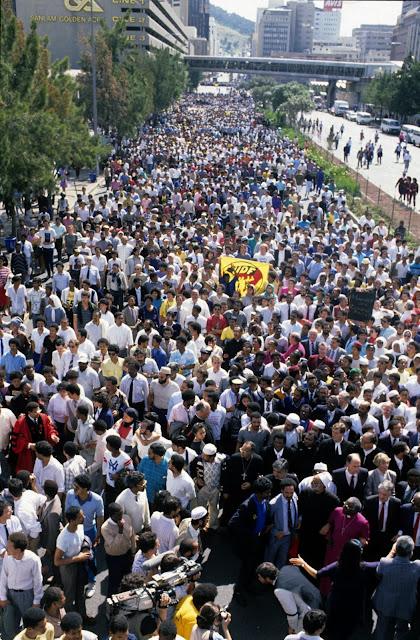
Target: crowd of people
column 149, row 409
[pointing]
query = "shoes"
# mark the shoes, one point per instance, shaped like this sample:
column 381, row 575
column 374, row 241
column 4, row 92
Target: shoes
column 90, row 589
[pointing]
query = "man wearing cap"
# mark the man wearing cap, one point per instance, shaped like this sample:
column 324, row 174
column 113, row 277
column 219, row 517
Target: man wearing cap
column 206, row 471
column 192, row 527
column 88, row 378
column 161, row 390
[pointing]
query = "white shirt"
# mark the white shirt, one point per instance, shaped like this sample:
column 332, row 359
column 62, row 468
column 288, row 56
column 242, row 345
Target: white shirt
column 22, row 575
column 137, row 507
column 26, row 509
column 122, row 336
column 52, row 471
column 165, row 530
column 181, row 487
column 70, row 543
column 7, row 422
column 13, row 526
column 113, row 465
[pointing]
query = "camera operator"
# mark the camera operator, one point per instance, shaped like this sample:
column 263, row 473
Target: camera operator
column 209, row 620
column 131, row 582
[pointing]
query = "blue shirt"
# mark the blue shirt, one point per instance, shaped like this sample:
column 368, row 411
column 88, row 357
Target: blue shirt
column 11, row 363
column 92, row 508
column 261, row 508
column 155, row 475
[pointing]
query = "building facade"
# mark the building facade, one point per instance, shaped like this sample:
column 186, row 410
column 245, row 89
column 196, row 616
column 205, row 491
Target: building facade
column 327, row 25
column 273, row 34
column 67, row 24
column 374, row 38
column 406, row 35
column 199, row 17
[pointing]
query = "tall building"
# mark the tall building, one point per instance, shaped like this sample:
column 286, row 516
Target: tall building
column 273, row 32
column 374, row 38
column 327, row 25
column 406, row 34
column 213, row 47
column 67, row 24
column 181, row 9
column 284, row 28
column 198, row 17
column 303, row 16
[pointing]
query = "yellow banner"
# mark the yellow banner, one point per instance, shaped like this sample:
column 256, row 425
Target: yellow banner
column 238, row 274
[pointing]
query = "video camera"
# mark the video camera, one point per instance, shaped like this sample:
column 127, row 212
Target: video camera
column 149, row 595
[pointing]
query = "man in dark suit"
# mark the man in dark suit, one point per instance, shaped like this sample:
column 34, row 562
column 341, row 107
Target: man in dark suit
column 410, row 522
column 311, row 392
column 311, row 344
column 383, row 514
column 367, row 450
column 401, row 462
column 414, row 437
column 335, row 450
column 269, row 404
column 277, row 450
column 386, row 442
column 249, row 532
column 329, row 413
column 350, row 481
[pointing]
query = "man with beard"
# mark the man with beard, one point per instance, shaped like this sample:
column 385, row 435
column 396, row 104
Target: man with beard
column 316, row 504
column 242, row 469
column 161, row 391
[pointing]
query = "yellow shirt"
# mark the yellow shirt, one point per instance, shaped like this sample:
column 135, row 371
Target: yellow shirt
column 227, row 334
column 165, row 306
column 185, row 617
column 48, row 635
column 110, row 368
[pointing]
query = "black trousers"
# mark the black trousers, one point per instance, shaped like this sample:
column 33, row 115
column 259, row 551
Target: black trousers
column 118, row 567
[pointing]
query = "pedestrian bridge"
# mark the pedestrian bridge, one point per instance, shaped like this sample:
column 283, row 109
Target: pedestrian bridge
column 297, row 68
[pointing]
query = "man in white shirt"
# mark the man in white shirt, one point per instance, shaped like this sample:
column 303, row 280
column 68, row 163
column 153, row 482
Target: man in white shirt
column 120, row 334
column 133, row 501
column 313, row 625
column 178, row 482
column 47, row 467
column 163, row 524
column 8, row 524
column 20, row 582
column 26, row 505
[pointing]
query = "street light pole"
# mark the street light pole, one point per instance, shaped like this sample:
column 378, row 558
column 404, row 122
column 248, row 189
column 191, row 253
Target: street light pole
column 94, row 98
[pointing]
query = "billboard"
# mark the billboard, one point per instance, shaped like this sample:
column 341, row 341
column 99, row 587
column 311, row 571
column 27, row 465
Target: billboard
column 329, row 5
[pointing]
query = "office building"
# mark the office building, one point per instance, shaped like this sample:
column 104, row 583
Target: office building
column 326, row 25
column 374, row 38
column 67, row 24
column 286, row 28
column 213, row 44
column 199, row 16
column 273, row 32
column 406, row 34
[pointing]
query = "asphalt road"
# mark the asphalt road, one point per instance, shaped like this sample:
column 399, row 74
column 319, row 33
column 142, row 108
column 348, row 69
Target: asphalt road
column 261, row 618
column 384, row 176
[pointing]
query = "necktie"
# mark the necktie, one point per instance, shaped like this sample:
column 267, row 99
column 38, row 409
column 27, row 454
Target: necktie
column 1, row 346
column 381, row 516
column 6, row 531
column 288, row 311
column 416, row 527
column 71, row 363
column 352, row 483
column 289, row 516
column 307, row 312
column 88, row 273
column 130, row 392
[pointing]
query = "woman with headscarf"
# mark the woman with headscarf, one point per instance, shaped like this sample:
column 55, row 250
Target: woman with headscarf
column 352, row 586
column 54, row 311
column 316, row 505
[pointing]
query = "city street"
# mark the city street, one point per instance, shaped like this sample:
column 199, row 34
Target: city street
column 384, row 176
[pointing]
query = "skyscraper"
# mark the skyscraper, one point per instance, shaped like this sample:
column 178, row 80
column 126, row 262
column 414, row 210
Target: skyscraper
column 198, row 17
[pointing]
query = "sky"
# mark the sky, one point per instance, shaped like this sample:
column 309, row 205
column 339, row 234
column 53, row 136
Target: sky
column 354, row 12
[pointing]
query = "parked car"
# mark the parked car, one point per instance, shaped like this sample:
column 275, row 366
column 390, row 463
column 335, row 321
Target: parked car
column 363, row 117
column 388, row 125
column 411, row 133
column 350, row 115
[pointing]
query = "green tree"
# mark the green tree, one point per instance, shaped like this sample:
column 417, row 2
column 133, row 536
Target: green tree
column 291, row 99
column 380, row 91
column 40, row 123
column 406, row 97
column 170, row 78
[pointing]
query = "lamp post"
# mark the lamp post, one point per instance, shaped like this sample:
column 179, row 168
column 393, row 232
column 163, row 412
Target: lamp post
column 94, row 98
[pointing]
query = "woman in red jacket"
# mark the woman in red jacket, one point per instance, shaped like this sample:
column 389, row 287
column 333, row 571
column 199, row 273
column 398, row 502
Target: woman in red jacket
column 31, row 427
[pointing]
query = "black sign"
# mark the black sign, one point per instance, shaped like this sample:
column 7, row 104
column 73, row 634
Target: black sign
column 361, row 304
